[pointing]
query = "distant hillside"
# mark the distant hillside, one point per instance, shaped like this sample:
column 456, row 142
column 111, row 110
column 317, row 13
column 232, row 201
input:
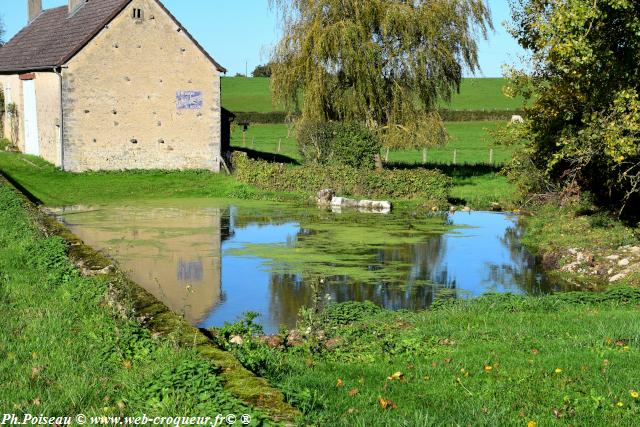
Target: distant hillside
column 252, row 94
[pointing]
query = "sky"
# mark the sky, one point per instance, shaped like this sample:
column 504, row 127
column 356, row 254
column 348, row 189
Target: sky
column 239, row 34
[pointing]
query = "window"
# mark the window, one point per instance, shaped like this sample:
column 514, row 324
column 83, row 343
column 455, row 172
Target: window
column 137, row 13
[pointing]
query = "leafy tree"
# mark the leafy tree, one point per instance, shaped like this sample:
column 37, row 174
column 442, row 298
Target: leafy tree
column 584, row 127
column 383, row 63
column 262, row 71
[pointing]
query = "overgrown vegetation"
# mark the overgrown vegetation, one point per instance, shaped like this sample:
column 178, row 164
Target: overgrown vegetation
column 427, row 185
column 584, row 127
column 348, row 144
column 69, row 346
column 494, row 360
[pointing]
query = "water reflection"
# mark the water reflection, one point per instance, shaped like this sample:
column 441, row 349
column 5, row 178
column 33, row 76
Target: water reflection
column 211, row 262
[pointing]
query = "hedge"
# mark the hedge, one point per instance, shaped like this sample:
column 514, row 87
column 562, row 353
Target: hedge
column 276, row 117
column 430, row 185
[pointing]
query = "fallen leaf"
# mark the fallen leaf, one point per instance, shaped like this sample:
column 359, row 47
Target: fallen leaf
column 34, row 373
column 448, row 360
column 396, row 376
column 488, row 368
column 339, row 383
column 36, row 401
column 386, row 403
column 434, row 364
column 605, row 362
column 557, row 413
column 353, row 392
column 126, row 364
column 351, row 410
column 535, row 351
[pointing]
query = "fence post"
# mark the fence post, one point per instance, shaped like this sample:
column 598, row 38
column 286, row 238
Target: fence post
column 244, row 138
column 491, row 156
column 424, row 156
column 455, row 156
column 279, row 144
column 386, row 156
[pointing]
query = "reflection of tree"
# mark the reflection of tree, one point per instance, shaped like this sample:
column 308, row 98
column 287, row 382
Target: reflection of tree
column 523, row 272
column 290, row 292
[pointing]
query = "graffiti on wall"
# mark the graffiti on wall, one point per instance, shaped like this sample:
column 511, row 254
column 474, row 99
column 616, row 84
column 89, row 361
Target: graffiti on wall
column 189, row 100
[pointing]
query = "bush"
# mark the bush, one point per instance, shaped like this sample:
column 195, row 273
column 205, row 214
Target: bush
column 428, row 184
column 350, row 144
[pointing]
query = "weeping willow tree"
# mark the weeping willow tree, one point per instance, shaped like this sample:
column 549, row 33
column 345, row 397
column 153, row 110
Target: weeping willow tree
column 384, row 63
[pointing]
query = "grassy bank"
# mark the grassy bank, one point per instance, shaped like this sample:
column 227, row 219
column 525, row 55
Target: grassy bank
column 67, row 346
column 475, row 182
column 583, row 245
column 253, row 94
column 497, row 360
column 57, row 188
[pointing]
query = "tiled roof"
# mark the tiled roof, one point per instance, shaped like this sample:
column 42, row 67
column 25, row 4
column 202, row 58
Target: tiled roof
column 54, row 36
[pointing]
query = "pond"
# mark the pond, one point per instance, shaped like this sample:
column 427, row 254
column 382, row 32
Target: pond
column 212, row 261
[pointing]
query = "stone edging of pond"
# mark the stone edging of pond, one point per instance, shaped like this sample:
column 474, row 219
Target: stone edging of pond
column 161, row 321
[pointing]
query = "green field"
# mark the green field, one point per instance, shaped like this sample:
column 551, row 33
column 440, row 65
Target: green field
column 470, row 140
column 253, row 94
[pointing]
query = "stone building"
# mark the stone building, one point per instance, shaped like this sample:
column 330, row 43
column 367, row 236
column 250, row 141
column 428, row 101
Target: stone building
column 111, row 85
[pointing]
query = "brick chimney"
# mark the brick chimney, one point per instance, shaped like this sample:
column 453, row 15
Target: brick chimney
column 74, row 4
column 34, row 8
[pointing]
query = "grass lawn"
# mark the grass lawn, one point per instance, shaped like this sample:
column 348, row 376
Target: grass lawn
column 253, row 94
column 494, row 361
column 57, row 188
column 67, row 347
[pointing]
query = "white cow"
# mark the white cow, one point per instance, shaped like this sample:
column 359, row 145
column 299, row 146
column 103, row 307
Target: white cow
column 517, row 119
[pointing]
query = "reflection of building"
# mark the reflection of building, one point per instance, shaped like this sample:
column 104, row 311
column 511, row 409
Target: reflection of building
column 172, row 253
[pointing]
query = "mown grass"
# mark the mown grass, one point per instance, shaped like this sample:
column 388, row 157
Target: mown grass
column 68, row 347
column 253, row 94
column 497, row 360
column 58, row 188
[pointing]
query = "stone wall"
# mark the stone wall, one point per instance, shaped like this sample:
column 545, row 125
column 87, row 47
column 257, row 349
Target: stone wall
column 120, row 106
